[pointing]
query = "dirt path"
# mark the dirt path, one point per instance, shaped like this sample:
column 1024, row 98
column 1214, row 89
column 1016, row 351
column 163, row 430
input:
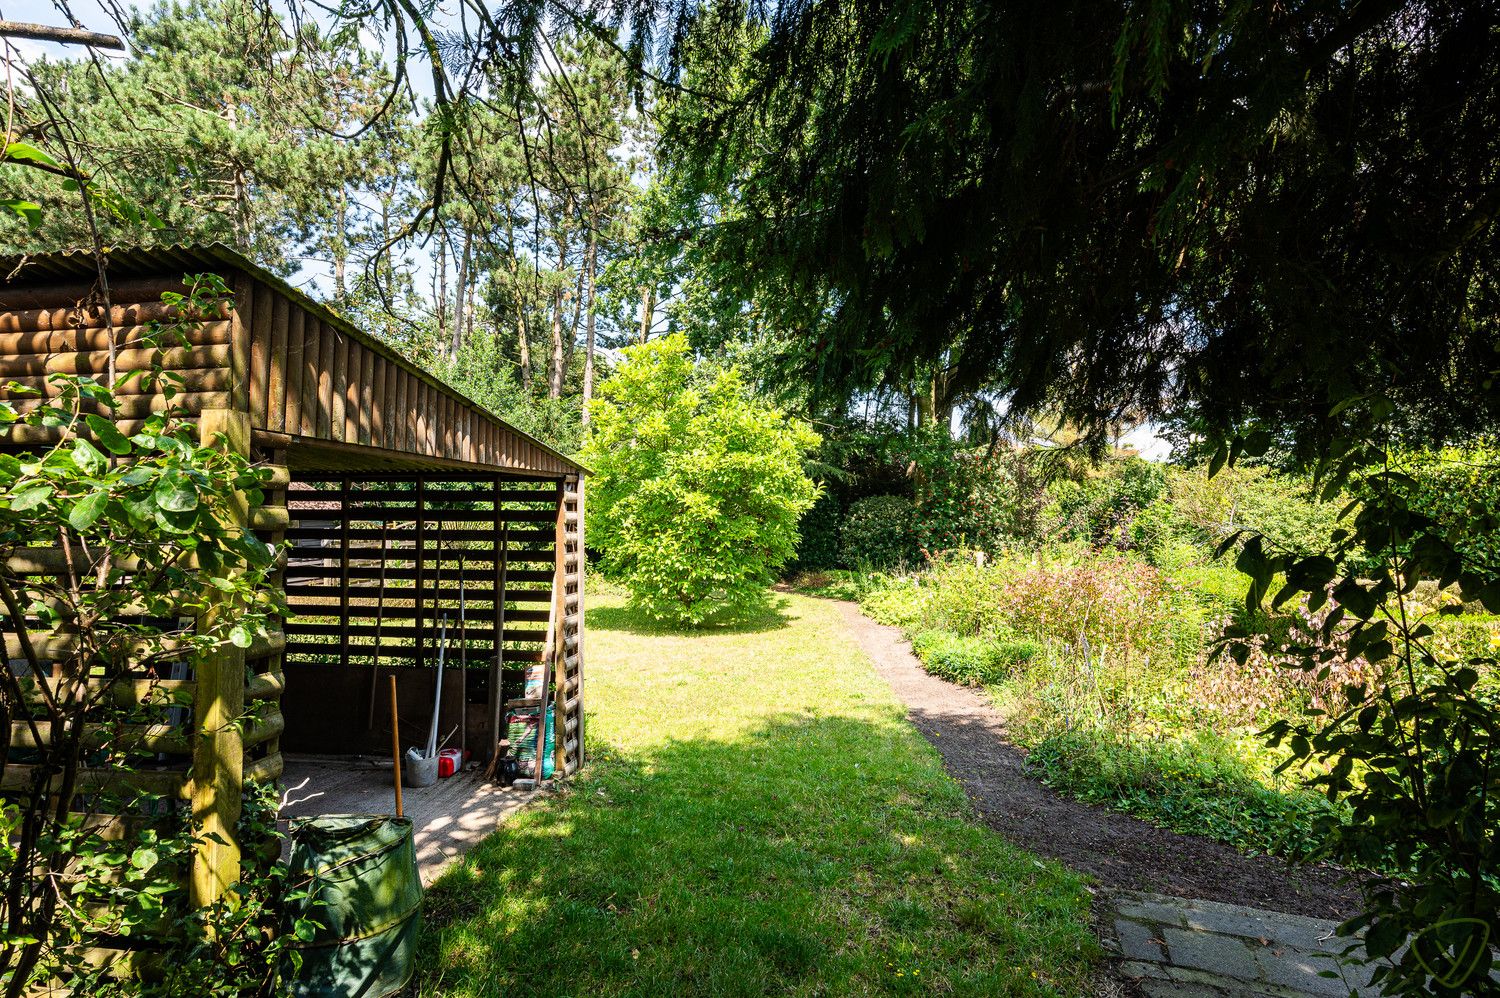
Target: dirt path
column 1119, row 851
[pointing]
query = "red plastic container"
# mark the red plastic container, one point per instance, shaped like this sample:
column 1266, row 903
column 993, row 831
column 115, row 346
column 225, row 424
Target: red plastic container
column 450, row 761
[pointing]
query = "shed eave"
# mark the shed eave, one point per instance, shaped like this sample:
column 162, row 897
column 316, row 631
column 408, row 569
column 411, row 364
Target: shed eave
column 143, row 261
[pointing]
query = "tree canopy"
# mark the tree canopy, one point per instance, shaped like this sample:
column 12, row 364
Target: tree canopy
column 1236, row 213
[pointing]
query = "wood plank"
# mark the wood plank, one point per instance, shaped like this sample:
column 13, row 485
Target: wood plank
column 205, row 380
column 341, row 375
column 122, row 315
column 167, row 738
column 135, row 407
column 418, row 595
column 312, row 363
column 267, row 770
column 96, row 362
column 479, row 574
column 218, row 758
column 476, row 632
column 425, row 592
column 239, row 356
column 344, row 578
column 333, row 337
column 403, row 410
column 19, row 777
column 276, row 376
column 324, row 603
column 260, row 352
column 364, row 395
column 378, row 405
column 476, row 492
column 409, row 513
column 267, row 685
column 296, row 368
column 44, row 343
column 300, row 652
column 264, row 728
column 350, row 388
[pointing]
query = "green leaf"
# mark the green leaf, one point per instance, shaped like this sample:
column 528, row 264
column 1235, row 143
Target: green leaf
column 25, row 152
column 176, row 494
column 1257, row 443
column 88, row 510
column 240, row 636
column 87, row 457
column 27, row 210
column 30, row 497
column 108, row 434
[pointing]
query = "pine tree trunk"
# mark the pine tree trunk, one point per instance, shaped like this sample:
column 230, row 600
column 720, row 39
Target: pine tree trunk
column 341, row 249
column 523, row 342
column 442, row 294
column 648, row 312
column 523, row 332
column 555, row 364
column 570, row 341
column 556, row 368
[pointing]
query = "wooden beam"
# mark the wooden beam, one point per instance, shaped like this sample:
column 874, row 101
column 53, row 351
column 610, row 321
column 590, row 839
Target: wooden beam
column 218, row 751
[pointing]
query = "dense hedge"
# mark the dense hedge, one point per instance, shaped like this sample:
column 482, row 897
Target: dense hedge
column 877, row 533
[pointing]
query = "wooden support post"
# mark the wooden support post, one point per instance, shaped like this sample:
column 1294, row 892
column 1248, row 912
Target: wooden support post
column 497, row 666
column 578, row 533
column 344, row 573
column 219, row 701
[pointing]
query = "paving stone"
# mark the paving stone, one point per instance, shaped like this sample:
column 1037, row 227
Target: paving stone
column 1218, row 949
column 1180, row 989
column 1139, row 942
column 1139, row 970
column 1147, row 908
column 1302, row 971
column 1305, row 933
column 1226, row 955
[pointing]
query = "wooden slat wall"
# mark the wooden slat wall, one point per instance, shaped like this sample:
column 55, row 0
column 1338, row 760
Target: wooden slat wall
column 341, row 529
column 310, row 378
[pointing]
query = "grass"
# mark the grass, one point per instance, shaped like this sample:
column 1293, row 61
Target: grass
column 757, row 817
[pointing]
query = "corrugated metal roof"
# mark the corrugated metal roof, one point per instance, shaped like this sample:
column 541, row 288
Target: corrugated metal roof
column 33, row 269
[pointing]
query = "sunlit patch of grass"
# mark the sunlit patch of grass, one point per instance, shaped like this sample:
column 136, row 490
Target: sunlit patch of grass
column 757, row 817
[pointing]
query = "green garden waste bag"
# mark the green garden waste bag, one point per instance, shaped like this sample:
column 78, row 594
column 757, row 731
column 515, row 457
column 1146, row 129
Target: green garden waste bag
column 520, row 731
column 360, row 872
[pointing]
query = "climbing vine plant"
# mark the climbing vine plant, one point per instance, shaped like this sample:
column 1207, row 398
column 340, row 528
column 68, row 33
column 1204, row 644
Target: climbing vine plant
column 125, row 556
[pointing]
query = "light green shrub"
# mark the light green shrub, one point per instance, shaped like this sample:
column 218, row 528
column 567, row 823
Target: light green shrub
column 697, row 486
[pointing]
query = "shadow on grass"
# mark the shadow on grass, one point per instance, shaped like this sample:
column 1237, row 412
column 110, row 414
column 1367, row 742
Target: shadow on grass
column 813, row 856
column 772, row 617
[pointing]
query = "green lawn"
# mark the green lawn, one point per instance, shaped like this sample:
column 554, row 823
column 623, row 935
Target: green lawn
column 757, row 817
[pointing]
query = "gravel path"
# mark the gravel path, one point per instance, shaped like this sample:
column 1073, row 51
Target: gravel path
column 1119, row 851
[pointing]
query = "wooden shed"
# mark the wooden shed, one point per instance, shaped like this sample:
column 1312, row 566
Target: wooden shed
column 406, row 509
